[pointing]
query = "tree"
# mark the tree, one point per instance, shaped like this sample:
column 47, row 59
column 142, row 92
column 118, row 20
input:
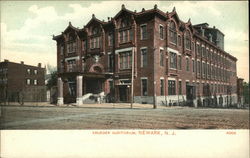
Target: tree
column 246, row 92
column 52, row 81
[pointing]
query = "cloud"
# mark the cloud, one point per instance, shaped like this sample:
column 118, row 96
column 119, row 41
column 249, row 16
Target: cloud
column 34, row 37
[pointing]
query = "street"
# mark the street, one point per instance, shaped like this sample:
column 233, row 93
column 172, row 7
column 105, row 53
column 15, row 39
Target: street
column 110, row 117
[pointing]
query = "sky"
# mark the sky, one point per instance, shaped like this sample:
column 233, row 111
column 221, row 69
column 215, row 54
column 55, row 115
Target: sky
column 27, row 26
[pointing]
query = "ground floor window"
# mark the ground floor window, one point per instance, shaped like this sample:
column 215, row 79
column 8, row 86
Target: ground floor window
column 180, row 88
column 171, row 87
column 144, row 86
column 162, row 86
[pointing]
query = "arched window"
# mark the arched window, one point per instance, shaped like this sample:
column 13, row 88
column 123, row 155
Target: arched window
column 172, row 32
column 71, row 44
column 124, row 23
column 95, row 30
column 187, row 40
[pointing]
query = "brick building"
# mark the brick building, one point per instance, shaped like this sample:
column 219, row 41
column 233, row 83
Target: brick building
column 21, row 82
column 175, row 62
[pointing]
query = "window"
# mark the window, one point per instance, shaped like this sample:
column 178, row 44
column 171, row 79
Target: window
column 28, row 71
column 71, row 44
column 111, row 85
column 171, row 87
column 62, row 50
column 71, row 65
column 144, row 31
column 179, row 62
column 35, row 72
column 95, row 31
column 110, row 39
column 187, row 64
column 193, row 64
column 35, row 82
column 199, row 67
column 110, row 62
column 187, row 40
column 161, row 57
column 173, row 60
column 161, row 32
column 179, row 40
column 203, row 69
column 124, row 23
column 84, row 45
column 144, row 86
column 125, row 60
column 180, row 88
column 95, row 42
column 162, row 86
column 172, row 33
column 203, row 51
column 28, row 81
column 125, row 36
column 144, row 57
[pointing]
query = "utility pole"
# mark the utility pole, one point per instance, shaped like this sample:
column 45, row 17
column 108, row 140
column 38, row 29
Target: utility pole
column 132, row 78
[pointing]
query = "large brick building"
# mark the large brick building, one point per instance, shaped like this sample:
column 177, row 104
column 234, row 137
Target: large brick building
column 175, row 62
column 22, row 83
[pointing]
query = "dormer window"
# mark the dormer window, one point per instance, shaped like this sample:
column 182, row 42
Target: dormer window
column 172, row 33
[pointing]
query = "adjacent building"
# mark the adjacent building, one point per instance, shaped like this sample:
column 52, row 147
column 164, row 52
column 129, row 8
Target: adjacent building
column 149, row 56
column 22, row 83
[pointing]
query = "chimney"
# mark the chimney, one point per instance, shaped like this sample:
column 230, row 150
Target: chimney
column 22, row 62
column 5, row 60
column 39, row 64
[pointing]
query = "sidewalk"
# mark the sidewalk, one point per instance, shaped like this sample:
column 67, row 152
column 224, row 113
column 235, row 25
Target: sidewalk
column 102, row 105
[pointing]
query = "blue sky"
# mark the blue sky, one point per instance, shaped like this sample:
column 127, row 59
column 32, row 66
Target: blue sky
column 27, row 26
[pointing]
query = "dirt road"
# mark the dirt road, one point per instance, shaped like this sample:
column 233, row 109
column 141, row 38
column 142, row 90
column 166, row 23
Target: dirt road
column 108, row 117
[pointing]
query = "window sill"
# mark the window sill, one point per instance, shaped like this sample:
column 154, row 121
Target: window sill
column 173, row 43
column 173, row 68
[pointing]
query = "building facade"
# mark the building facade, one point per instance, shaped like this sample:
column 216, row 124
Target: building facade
column 172, row 62
column 22, row 83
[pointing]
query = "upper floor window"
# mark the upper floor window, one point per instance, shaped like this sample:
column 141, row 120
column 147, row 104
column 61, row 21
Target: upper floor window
column 173, row 60
column 161, row 57
column 125, row 23
column 28, row 71
column 35, row 72
column 187, row 40
column 172, row 33
column 71, row 65
column 144, row 57
column 84, row 45
column 110, row 39
column 95, row 31
column 62, row 50
column 95, row 42
column 161, row 30
column 125, row 35
column 143, row 31
column 179, row 62
column 35, row 82
column 28, row 81
column 193, row 65
column 179, row 40
column 125, row 60
column 187, row 64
